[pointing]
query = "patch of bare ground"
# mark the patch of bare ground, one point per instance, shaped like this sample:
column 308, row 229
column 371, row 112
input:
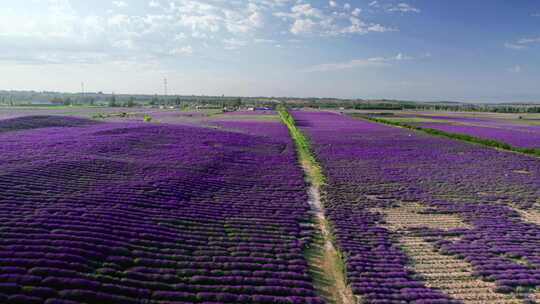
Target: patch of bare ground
column 522, row 172
column 447, row 273
column 535, row 296
column 530, row 216
column 414, row 215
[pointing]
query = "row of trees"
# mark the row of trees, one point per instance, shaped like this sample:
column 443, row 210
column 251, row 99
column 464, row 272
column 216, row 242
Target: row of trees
column 131, row 101
column 15, row 98
column 407, row 105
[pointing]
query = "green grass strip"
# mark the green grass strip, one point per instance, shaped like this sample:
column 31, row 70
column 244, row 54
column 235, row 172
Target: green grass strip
column 303, row 147
column 327, row 267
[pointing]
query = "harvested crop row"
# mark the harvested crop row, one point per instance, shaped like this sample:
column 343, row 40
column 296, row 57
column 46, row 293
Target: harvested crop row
column 371, row 167
column 138, row 213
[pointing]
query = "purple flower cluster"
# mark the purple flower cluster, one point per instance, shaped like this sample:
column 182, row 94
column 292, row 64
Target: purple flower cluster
column 253, row 113
column 369, row 165
column 268, row 129
column 142, row 213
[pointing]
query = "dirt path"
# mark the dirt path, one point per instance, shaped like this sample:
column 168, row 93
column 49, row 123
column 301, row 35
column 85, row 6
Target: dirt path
column 326, row 263
column 327, row 266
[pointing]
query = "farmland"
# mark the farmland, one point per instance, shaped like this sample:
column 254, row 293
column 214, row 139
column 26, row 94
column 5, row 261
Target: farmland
column 98, row 212
column 147, row 205
column 401, row 200
column 517, row 130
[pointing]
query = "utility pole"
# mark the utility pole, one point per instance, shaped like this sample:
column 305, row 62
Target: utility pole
column 82, row 91
column 165, row 91
column 165, row 86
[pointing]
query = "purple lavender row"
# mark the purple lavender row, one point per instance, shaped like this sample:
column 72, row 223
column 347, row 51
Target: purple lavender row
column 140, row 213
column 376, row 267
column 363, row 160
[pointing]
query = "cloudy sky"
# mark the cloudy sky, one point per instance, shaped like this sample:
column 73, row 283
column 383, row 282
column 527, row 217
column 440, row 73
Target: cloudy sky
column 481, row 50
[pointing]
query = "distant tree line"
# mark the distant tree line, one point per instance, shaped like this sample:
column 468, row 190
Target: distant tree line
column 410, row 105
column 22, row 98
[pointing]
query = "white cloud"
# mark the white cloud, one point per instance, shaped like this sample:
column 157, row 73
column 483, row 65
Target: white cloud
column 355, row 63
column 233, row 44
column 256, row 19
column 119, row 3
column 403, row 8
column 522, row 43
column 536, row 15
column 359, row 63
column 306, row 10
column 515, row 69
column 162, row 28
column 379, row 28
column 400, row 57
column 514, row 46
column 260, row 40
column 185, row 50
column 302, row 26
column 529, row 40
column 118, row 20
column 180, row 36
column 307, row 19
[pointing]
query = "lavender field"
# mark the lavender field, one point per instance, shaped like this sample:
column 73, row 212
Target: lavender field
column 99, row 212
column 202, row 207
column 521, row 131
column 428, row 219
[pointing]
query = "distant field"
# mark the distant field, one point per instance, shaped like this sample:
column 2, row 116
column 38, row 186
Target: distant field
column 518, row 130
column 162, row 206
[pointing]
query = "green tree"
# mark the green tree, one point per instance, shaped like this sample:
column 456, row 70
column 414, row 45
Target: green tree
column 131, row 102
column 237, row 102
column 112, row 101
column 154, row 101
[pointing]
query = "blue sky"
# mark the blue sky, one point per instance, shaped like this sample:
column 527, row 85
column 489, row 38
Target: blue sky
column 482, row 50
